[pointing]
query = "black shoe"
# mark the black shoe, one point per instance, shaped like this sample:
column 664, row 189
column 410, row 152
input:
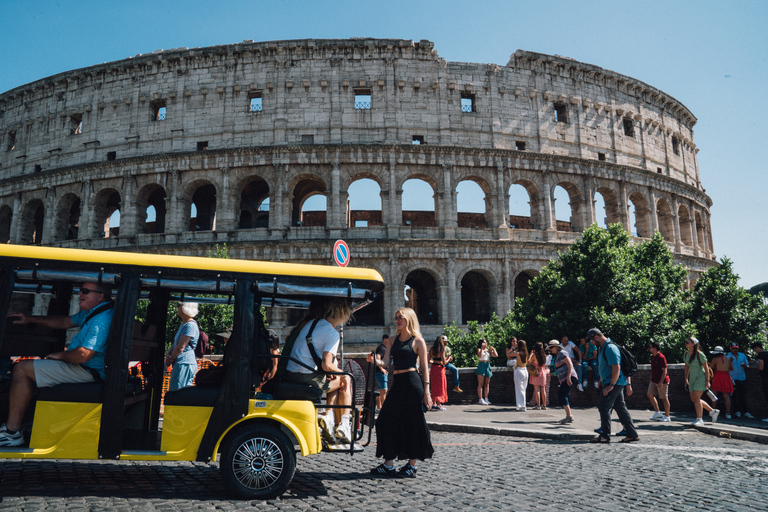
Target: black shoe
column 383, row 470
column 407, row 471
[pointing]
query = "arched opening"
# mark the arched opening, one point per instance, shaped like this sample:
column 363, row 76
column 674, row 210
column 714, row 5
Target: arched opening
column 606, row 207
column 107, row 213
column 666, row 220
column 523, row 283
column 420, row 294
column 6, row 216
column 154, row 219
column 32, row 216
column 202, row 216
column 254, row 205
column 684, row 220
column 67, row 221
column 639, row 215
column 470, row 205
column 475, row 298
column 700, row 231
column 524, row 206
column 418, row 204
column 309, row 203
column 364, row 204
column 567, row 206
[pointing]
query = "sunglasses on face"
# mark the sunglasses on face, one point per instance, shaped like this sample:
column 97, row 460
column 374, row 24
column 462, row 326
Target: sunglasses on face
column 398, row 318
column 86, row 291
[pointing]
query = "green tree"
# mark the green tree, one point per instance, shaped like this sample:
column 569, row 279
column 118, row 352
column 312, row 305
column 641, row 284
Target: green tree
column 497, row 331
column 723, row 312
column 632, row 292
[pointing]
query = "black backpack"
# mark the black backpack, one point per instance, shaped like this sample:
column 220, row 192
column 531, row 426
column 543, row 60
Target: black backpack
column 628, row 361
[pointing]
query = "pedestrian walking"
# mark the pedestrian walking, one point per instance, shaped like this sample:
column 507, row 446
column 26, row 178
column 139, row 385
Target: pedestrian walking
column 566, row 376
column 659, row 383
column 721, row 380
column 739, row 378
column 521, row 375
column 613, row 383
column 697, row 375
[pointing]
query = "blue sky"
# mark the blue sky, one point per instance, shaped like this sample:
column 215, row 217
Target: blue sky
column 711, row 56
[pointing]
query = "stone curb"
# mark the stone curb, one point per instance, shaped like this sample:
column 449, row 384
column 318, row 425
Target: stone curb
column 734, row 433
column 510, row 432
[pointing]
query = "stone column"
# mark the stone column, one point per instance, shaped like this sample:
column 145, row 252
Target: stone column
column 16, row 221
column 547, row 205
column 47, row 236
column 175, row 215
column 227, row 206
column 623, row 207
column 452, row 304
column 129, row 213
column 334, row 207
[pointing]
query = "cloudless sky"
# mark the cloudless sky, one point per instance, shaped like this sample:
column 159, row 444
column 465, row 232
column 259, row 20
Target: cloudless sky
column 712, row 56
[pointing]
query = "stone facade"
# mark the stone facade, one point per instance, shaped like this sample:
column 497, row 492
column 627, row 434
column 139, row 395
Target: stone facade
column 204, row 146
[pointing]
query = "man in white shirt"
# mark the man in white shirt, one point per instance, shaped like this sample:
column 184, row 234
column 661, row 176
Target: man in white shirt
column 575, row 354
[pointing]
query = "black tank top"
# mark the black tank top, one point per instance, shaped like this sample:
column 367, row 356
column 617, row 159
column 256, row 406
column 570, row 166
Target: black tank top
column 403, row 355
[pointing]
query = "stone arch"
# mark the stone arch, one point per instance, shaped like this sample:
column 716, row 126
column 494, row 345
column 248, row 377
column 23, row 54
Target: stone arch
column 574, row 223
column 105, row 203
column 533, row 221
column 307, row 186
column 666, row 220
column 641, row 213
column 31, row 227
column 421, row 294
column 476, row 297
column 66, row 223
column 611, row 202
column 6, row 218
column 364, row 190
column 415, row 201
column 467, row 214
column 201, row 213
column 151, row 203
column 700, row 231
column 522, row 283
column 254, row 204
column 684, row 220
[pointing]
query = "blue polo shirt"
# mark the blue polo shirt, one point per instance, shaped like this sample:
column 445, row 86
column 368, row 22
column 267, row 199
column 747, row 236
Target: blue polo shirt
column 93, row 336
column 607, row 357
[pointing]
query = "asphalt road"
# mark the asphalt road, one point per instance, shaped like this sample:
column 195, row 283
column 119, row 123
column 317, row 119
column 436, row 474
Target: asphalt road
column 679, row 471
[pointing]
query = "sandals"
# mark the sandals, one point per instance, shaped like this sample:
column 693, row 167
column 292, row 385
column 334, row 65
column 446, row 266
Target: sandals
column 630, row 440
column 600, row 439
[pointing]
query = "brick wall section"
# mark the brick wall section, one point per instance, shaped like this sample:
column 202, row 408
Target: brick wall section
column 503, row 391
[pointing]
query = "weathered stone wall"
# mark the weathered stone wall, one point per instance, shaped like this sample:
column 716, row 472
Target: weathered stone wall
column 228, row 128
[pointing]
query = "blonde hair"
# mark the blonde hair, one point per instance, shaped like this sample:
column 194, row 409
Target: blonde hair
column 411, row 321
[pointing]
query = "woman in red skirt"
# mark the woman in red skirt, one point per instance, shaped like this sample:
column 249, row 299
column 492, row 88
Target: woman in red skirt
column 722, row 383
column 437, row 385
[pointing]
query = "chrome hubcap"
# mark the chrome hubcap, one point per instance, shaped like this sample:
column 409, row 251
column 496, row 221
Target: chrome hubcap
column 258, row 463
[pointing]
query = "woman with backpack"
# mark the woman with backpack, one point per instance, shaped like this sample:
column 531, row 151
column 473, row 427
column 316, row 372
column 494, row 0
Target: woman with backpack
column 182, row 353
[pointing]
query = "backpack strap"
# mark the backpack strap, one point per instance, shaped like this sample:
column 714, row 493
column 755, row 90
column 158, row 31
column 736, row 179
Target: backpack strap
column 311, row 347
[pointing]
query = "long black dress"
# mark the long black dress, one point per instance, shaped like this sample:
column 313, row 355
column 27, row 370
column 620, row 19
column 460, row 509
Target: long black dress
column 401, row 429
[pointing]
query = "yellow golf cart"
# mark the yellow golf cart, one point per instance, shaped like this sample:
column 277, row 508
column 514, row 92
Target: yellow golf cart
column 254, row 440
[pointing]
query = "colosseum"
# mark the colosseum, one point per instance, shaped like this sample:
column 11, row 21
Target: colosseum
column 179, row 150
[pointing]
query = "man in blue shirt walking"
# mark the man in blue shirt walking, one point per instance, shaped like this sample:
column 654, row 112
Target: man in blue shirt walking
column 613, row 383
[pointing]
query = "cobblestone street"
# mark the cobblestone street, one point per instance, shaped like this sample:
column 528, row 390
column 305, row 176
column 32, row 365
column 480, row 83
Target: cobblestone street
column 673, row 471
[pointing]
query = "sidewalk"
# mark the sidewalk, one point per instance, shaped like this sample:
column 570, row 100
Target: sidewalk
column 506, row 421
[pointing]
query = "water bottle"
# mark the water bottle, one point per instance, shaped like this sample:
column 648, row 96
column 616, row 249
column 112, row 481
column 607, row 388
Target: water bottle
column 711, row 395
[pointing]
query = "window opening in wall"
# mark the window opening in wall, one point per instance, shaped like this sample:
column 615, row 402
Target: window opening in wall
column 11, row 141
column 361, row 223
column 363, row 99
column 158, row 111
column 629, row 127
column 255, row 102
column 364, row 203
column 520, row 145
column 76, row 124
column 658, row 170
column 601, row 156
column 561, row 113
column 676, row 145
column 111, row 155
column 468, row 102
column 202, row 145
column 417, row 140
column 307, row 139
column 38, row 167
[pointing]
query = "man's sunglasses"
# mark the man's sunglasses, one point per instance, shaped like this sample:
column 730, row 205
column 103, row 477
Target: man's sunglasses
column 86, row 291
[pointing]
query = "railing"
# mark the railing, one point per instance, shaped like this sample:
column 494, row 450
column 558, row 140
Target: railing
column 363, row 105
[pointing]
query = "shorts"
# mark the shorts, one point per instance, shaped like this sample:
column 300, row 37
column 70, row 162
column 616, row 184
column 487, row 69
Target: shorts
column 316, row 380
column 381, row 380
column 50, row 372
column 660, row 389
column 484, row 369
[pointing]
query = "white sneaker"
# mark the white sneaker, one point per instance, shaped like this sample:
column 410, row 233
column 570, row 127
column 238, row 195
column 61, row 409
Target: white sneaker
column 657, row 415
column 738, row 415
column 727, row 415
column 765, row 420
column 343, row 431
column 698, row 423
column 580, row 387
column 482, row 402
column 747, row 415
column 665, row 418
column 326, row 422
column 714, row 413
column 584, row 385
column 8, row 439
column 487, row 402
column 596, row 386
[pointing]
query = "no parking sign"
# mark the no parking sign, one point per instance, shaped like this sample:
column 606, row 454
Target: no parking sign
column 341, row 253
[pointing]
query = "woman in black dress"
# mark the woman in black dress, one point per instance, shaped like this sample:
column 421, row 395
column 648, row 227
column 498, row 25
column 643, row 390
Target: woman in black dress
column 401, row 429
